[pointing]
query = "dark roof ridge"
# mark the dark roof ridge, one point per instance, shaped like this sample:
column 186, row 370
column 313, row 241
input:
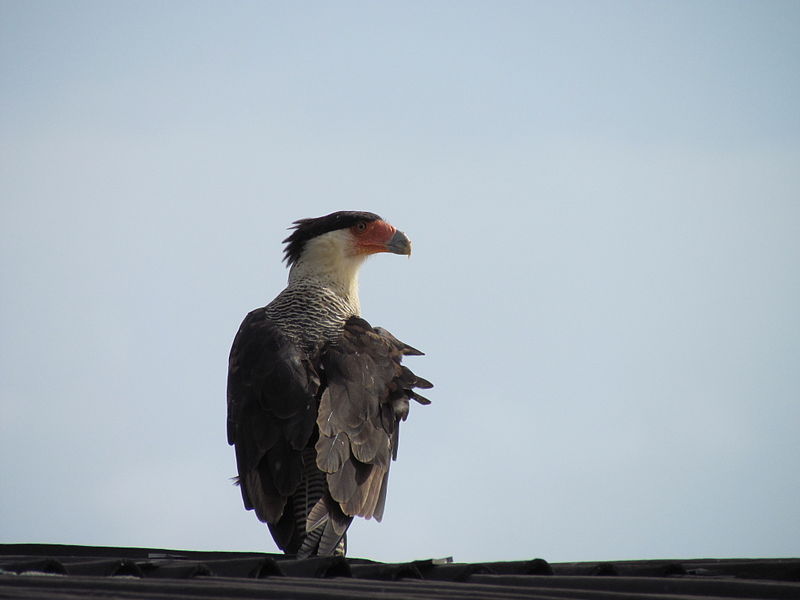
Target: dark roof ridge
column 156, row 573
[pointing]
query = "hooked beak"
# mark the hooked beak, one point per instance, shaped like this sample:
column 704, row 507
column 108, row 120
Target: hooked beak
column 399, row 244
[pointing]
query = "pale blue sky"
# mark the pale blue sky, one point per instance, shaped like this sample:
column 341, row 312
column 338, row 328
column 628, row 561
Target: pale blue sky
column 604, row 200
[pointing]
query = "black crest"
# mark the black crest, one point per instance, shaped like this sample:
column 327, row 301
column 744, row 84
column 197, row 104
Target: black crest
column 306, row 229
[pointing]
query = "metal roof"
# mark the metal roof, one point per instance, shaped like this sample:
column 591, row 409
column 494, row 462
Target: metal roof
column 33, row 571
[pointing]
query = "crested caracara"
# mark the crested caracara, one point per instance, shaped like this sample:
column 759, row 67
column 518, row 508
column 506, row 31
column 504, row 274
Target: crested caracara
column 316, row 394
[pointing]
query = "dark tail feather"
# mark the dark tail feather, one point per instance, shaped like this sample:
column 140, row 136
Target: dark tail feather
column 326, row 529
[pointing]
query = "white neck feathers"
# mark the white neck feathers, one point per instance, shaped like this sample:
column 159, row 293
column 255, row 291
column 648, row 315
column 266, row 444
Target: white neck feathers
column 329, row 261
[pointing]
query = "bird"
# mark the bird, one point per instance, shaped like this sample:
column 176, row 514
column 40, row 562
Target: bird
column 316, row 394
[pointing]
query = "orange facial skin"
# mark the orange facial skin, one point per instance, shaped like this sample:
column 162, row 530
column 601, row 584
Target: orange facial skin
column 379, row 236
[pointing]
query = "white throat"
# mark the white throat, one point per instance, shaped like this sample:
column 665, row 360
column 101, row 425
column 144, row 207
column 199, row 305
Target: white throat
column 328, row 261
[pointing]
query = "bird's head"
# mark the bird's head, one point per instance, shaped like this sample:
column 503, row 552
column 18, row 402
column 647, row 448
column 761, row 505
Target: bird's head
column 344, row 234
column 333, row 247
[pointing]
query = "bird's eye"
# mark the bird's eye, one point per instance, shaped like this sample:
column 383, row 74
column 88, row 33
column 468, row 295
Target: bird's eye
column 361, row 226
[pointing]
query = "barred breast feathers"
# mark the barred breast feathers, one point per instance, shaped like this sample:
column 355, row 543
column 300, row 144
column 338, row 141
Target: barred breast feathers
column 322, row 292
column 311, row 314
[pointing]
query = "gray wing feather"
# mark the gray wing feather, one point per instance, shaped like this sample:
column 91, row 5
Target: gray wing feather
column 366, row 397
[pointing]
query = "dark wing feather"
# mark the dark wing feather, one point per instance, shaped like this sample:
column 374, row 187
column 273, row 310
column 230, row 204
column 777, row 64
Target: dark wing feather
column 272, row 407
column 366, row 397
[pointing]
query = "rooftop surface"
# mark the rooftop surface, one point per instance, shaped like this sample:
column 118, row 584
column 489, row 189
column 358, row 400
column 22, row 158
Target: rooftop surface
column 32, row 571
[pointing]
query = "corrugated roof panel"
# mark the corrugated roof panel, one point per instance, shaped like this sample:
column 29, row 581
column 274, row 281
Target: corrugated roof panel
column 38, row 571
